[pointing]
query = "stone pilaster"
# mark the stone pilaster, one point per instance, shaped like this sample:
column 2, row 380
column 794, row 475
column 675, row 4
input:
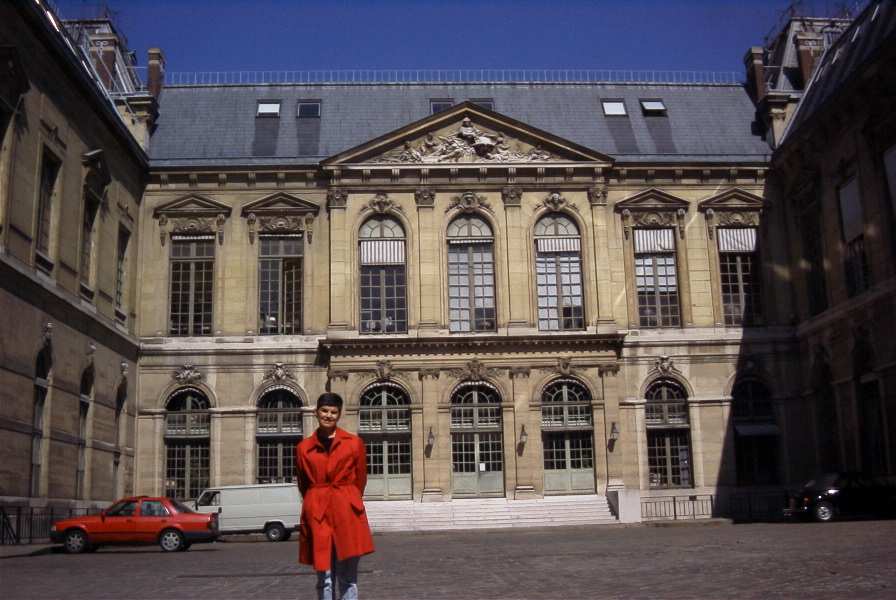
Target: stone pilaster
column 340, row 262
column 436, row 447
column 516, row 242
column 527, row 456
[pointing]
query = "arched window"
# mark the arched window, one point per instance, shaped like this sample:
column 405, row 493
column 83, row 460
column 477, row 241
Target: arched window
column 186, row 443
column 385, row 427
column 668, row 435
column 756, row 435
column 558, row 268
column 477, row 449
column 384, row 305
column 41, row 389
column 567, row 437
column 278, row 430
column 471, row 275
column 85, row 400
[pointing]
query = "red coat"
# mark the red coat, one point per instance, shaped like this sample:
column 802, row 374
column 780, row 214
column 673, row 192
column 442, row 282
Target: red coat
column 333, row 513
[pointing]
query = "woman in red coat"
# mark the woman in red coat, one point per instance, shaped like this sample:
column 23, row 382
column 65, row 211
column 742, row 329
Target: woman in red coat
column 332, row 473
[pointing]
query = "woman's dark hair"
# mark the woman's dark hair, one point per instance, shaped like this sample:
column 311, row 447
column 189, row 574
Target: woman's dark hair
column 330, row 399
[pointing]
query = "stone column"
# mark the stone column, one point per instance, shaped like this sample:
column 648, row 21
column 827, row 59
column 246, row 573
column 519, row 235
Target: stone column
column 518, row 271
column 215, row 443
column 602, row 219
column 429, row 262
column 614, row 449
column 433, row 462
column 526, row 456
column 340, row 262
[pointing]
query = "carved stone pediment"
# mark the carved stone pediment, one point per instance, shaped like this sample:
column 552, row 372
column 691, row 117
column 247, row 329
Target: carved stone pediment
column 652, row 208
column 280, row 213
column 732, row 208
column 191, row 215
column 280, row 204
column 466, row 134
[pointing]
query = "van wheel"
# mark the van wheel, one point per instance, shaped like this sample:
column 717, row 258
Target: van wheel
column 275, row 532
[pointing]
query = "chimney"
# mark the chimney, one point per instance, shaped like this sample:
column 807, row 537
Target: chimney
column 155, row 72
column 754, row 62
column 809, row 46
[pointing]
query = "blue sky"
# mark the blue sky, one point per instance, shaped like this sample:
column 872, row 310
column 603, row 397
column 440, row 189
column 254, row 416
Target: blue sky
column 227, row 35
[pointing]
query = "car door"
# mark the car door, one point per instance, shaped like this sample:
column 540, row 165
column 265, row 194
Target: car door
column 153, row 517
column 118, row 523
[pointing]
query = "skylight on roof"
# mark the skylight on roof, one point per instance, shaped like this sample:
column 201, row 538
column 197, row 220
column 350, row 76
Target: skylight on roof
column 614, row 108
column 308, row 109
column 268, row 108
column 653, row 107
column 440, row 104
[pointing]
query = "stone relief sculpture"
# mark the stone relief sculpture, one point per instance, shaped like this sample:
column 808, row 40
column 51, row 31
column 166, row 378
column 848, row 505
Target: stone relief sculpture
column 468, row 144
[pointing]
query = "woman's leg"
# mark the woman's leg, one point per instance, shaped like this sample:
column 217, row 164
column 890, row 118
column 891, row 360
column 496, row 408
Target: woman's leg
column 325, row 585
column 347, row 575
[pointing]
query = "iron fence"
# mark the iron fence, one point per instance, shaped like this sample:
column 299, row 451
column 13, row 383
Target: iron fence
column 26, row 524
column 673, row 508
column 436, row 76
column 757, row 506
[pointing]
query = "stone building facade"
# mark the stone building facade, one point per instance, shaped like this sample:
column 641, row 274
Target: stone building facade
column 71, row 182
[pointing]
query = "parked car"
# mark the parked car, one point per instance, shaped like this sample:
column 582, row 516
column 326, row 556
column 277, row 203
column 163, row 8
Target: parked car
column 833, row 495
column 138, row 520
column 272, row 508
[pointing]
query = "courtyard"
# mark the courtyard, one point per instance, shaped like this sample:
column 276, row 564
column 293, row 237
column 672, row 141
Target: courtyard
column 841, row 559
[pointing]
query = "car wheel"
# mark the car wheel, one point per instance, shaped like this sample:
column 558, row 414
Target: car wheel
column 275, row 532
column 823, row 512
column 171, row 540
column 75, row 541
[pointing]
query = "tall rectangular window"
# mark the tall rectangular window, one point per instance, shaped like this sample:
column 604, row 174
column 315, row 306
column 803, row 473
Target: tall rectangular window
column 88, row 238
column 280, row 284
column 83, row 410
column 49, row 172
column 192, row 279
column 37, row 433
column 813, row 257
column 739, row 271
column 852, row 224
column 471, row 286
column 124, row 237
column 384, row 304
column 656, row 278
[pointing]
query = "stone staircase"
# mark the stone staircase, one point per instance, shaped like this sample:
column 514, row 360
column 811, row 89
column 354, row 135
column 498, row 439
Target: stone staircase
column 488, row 513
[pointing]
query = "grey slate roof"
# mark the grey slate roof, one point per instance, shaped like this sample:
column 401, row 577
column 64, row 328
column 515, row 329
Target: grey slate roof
column 217, row 126
column 845, row 59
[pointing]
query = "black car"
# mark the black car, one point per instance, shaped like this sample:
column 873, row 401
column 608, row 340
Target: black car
column 833, row 495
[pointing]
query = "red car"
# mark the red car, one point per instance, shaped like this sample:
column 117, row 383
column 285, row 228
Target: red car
column 138, row 520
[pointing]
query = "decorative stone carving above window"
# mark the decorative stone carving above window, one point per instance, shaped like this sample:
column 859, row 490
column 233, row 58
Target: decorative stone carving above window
column 563, row 367
column 382, row 204
column 512, row 196
column 474, row 370
column 556, row 202
column 192, row 215
column 652, row 208
column 425, row 197
column 280, row 213
column 732, row 208
column 469, row 202
column 336, row 199
column 597, row 196
column 187, row 374
column 279, row 373
column 96, row 176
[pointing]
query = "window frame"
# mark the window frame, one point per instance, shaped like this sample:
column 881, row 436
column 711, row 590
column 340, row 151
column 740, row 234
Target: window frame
column 605, row 102
column 556, row 264
column 433, row 102
column 192, row 261
column 283, row 261
column 856, row 270
column 669, row 321
column 47, row 199
column 377, row 277
column 268, row 114
column 469, row 245
column 486, row 103
column 302, row 103
column 649, row 108
column 121, row 272
column 672, row 430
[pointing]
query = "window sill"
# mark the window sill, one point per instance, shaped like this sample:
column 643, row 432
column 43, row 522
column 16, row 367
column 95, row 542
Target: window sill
column 87, row 292
column 43, row 263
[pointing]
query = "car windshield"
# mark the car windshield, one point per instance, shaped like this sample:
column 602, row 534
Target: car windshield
column 181, row 507
column 824, row 480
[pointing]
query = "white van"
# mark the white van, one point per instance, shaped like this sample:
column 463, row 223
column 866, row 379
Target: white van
column 272, row 508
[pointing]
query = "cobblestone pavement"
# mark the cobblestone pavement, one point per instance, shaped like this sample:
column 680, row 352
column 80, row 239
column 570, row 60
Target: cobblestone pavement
column 801, row 560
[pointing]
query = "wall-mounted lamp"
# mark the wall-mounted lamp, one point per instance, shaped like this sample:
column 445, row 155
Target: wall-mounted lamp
column 430, row 437
column 614, row 431
column 524, row 437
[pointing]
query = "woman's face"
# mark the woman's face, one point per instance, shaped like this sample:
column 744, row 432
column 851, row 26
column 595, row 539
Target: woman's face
column 327, row 416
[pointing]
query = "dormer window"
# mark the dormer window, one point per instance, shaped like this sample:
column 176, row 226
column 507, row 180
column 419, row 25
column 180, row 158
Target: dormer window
column 484, row 103
column 614, row 108
column 268, row 108
column 309, row 109
column 440, row 104
column 653, row 108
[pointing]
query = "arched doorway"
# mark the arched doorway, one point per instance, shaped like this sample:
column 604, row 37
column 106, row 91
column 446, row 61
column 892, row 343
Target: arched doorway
column 668, row 435
column 755, row 434
column 477, row 448
column 385, row 427
column 567, row 437
column 278, row 430
column 187, row 426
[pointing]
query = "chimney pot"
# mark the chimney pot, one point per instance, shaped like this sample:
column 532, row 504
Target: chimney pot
column 155, row 68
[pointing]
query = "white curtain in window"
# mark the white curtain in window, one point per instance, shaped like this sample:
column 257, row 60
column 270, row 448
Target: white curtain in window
column 558, row 244
column 851, row 210
column 382, row 252
column 737, row 239
column 654, row 240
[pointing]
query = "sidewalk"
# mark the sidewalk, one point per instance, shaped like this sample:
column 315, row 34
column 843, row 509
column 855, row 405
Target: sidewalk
column 14, row 550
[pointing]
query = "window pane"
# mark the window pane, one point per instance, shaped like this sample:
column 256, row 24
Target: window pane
column 657, row 287
column 614, row 107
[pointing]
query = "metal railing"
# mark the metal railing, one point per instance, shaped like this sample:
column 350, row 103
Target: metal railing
column 187, row 424
column 666, row 508
column 757, row 506
column 26, row 525
column 436, row 76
